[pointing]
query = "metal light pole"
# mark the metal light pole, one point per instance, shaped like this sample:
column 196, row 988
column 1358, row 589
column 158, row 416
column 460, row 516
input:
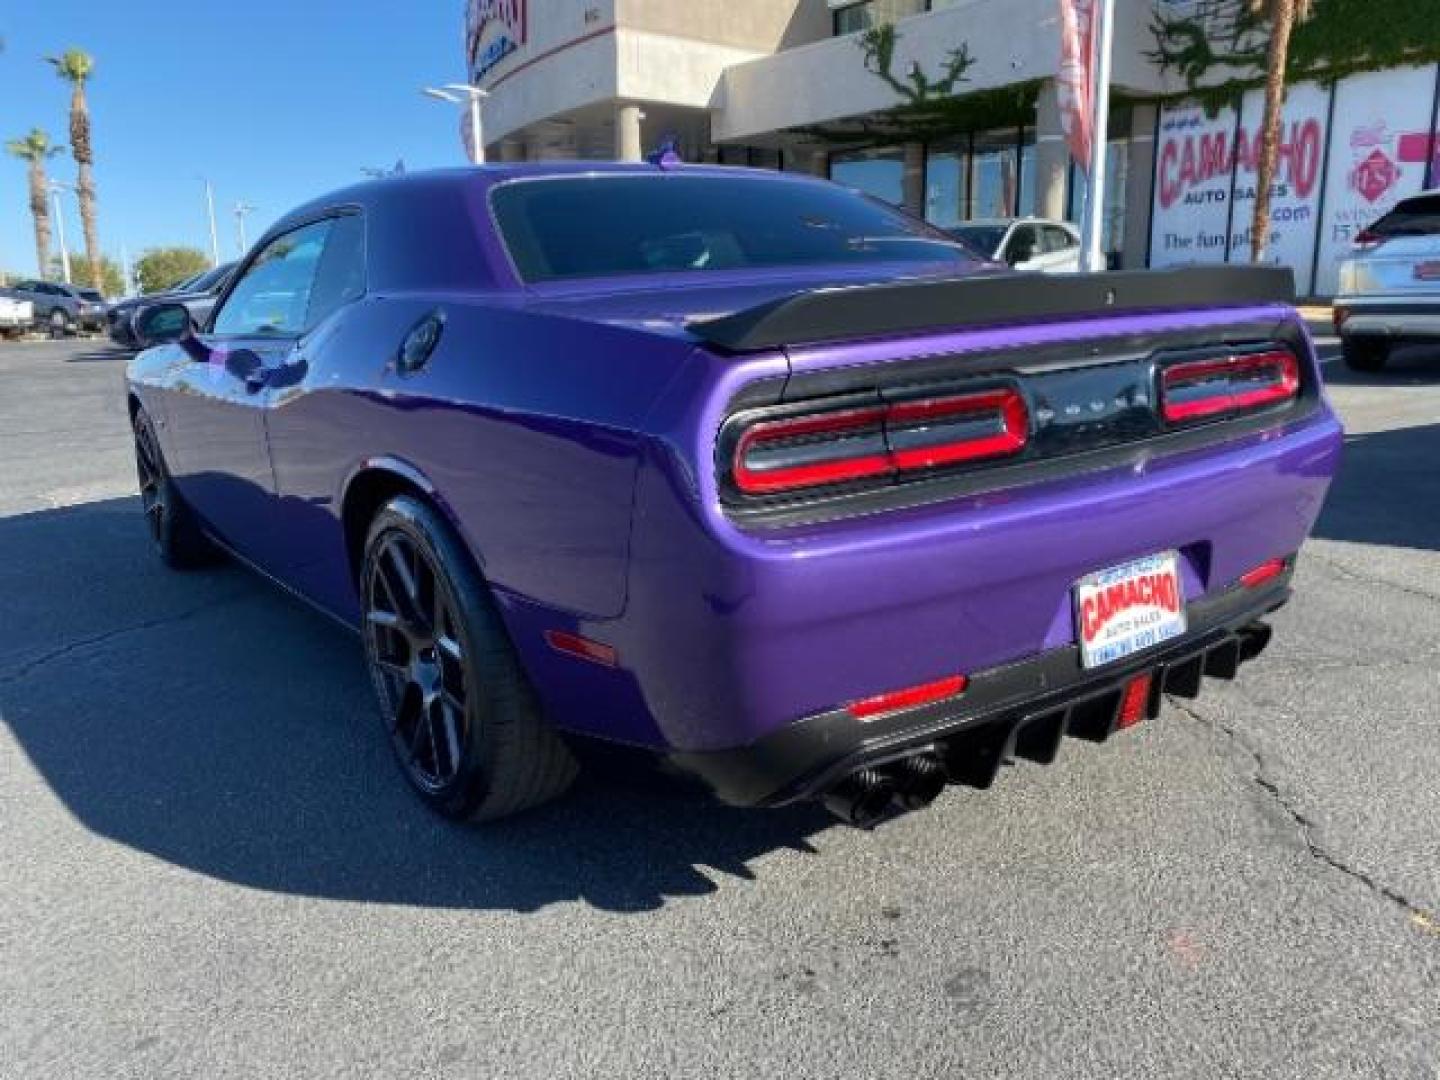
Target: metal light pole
column 125, row 269
column 470, row 97
column 210, row 209
column 1092, row 226
column 241, row 209
column 55, row 188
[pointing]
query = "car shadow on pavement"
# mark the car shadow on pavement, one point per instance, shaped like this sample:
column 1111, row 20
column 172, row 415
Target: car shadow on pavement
column 1409, row 365
column 209, row 720
column 1388, row 490
column 99, row 354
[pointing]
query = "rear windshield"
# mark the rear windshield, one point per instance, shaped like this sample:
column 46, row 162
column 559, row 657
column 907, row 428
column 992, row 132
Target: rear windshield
column 1413, row 217
column 619, row 225
column 90, row 294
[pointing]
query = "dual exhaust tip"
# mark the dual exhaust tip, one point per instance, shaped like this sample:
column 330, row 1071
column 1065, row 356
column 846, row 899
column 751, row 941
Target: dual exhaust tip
column 867, row 797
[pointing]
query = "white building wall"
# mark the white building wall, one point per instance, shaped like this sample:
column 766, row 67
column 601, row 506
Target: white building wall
column 827, row 81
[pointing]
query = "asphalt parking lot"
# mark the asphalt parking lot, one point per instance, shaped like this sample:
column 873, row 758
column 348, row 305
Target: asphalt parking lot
column 210, row 867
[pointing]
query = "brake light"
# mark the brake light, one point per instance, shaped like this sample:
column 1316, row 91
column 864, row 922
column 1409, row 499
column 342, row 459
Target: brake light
column 879, row 441
column 1135, row 703
column 1266, row 571
column 1204, row 389
column 909, row 698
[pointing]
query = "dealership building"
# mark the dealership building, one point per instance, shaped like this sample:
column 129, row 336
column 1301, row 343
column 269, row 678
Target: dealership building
column 792, row 84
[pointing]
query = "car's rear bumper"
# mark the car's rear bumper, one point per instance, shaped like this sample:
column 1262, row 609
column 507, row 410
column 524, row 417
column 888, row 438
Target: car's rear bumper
column 1021, row 709
column 1389, row 317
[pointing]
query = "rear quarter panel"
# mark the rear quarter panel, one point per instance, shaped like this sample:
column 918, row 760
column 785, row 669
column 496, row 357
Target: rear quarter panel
column 524, row 425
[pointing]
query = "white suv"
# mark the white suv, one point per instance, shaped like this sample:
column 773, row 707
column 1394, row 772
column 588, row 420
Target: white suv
column 1390, row 286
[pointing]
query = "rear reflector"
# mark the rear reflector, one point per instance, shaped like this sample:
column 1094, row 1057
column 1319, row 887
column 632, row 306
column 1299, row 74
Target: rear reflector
column 584, row 648
column 1135, row 703
column 880, row 441
column 1266, row 571
column 1206, row 389
column 913, row 697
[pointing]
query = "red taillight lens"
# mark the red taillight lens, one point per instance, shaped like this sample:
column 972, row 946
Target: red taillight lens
column 1266, row 571
column 945, row 431
column 1340, row 316
column 909, row 698
column 802, row 452
column 1204, row 389
column 808, row 451
column 1135, row 702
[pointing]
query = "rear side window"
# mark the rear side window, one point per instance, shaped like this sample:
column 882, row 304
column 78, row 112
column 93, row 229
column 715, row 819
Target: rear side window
column 1412, row 217
column 1057, row 239
column 273, row 297
column 340, row 277
column 575, row 227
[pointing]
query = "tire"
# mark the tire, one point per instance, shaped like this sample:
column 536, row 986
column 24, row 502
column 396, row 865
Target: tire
column 1365, row 354
column 59, row 323
column 462, row 717
column 177, row 536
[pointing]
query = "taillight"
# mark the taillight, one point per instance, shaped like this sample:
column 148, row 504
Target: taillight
column 1366, row 240
column 1205, row 389
column 911, row 697
column 1266, row 571
column 880, row 441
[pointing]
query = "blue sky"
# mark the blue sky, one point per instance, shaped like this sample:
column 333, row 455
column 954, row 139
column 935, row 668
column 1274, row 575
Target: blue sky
column 275, row 100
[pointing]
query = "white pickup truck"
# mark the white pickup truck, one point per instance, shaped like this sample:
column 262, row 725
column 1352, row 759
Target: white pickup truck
column 16, row 316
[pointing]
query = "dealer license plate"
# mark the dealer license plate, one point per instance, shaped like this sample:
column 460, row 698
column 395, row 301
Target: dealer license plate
column 1128, row 609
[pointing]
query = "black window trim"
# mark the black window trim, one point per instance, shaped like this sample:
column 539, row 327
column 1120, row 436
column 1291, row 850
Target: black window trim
column 285, row 229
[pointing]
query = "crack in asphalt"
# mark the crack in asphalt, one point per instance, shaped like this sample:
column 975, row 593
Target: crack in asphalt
column 27, row 667
column 1420, row 916
column 1370, row 579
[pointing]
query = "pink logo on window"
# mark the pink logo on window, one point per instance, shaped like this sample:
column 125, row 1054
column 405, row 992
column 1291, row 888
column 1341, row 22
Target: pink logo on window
column 1376, row 175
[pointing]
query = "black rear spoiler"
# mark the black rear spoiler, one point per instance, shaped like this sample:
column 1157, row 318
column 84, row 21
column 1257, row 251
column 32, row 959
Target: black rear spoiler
column 861, row 311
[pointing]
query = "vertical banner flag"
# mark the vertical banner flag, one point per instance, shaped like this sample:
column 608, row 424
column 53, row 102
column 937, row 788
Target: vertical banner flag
column 1075, row 84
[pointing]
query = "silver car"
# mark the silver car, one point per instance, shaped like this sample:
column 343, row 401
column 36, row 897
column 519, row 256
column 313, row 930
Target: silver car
column 1390, row 286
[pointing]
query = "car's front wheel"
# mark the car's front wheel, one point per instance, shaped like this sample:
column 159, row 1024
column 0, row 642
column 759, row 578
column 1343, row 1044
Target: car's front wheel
column 462, row 717
column 1365, row 354
column 178, row 538
column 59, row 323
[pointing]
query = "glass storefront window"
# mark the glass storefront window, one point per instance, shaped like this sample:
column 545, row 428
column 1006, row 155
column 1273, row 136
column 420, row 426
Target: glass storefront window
column 947, row 185
column 1029, row 204
column 868, row 13
column 995, row 175
column 876, row 172
column 1117, row 177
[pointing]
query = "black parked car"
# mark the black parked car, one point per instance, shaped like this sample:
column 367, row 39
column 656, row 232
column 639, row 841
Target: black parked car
column 197, row 293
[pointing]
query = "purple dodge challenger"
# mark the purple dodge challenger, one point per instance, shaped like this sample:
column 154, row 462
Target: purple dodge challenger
column 743, row 468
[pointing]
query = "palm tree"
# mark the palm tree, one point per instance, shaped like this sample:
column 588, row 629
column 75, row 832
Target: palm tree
column 76, row 66
column 35, row 149
column 1283, row 16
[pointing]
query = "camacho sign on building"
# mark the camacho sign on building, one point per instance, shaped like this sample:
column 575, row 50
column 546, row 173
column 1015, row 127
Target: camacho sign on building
column 493, row 30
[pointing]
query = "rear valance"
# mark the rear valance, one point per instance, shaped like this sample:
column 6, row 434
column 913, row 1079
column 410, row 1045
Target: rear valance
column 847, row 313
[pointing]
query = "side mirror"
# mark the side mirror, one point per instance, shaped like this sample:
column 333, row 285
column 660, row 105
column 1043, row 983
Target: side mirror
column 163, row 324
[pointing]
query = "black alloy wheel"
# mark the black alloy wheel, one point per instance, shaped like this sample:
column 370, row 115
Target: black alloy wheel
column 462, row 717
column 418, row 655
column 178, row 538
